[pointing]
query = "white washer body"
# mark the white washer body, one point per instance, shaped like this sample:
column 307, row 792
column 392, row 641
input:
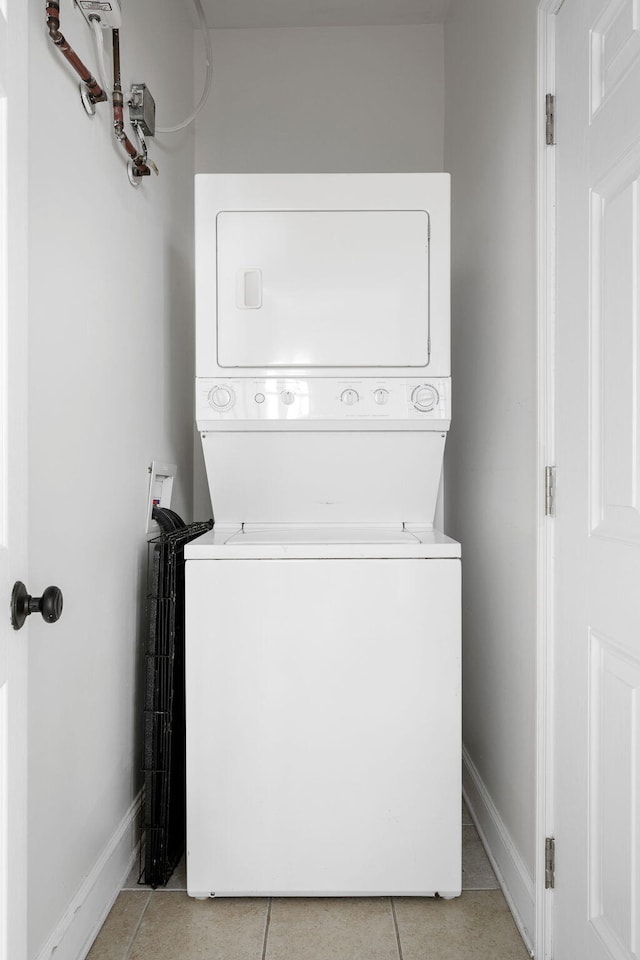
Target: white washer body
column 323, row 710
column 323, row 611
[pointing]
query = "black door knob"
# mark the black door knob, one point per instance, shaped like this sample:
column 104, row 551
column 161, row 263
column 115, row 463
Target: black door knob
column 23, row 605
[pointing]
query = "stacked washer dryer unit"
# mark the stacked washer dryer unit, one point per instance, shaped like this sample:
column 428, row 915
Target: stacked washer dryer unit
column 323, row 610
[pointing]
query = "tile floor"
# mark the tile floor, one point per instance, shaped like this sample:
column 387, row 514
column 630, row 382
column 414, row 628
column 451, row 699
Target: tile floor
column 168, row 925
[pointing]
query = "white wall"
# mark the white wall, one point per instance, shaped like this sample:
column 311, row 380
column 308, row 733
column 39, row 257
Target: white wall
column 323, row 99
column 490, row 76
column 111, row 341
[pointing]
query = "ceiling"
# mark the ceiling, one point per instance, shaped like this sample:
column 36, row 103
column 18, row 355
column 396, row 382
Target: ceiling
column 322, row 13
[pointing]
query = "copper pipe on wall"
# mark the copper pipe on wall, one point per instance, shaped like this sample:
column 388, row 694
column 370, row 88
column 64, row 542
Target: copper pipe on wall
column 140, row 167
column 95, row 92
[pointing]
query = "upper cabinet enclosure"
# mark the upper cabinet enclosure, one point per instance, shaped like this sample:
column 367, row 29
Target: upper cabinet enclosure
column 322, row 273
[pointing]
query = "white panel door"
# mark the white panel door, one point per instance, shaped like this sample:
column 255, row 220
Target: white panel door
column 13, row 368
column 323, row 727
column 597, row 655
column 4, row 552
column 309, row 288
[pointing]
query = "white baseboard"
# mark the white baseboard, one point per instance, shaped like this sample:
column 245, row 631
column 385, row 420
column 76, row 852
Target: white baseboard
column 513, row 876
column 78, row 928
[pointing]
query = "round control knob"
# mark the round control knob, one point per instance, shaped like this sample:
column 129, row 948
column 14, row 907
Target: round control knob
column 222, row 397
column 288, row 397
column 349, row 396
column 381, row 395
column 425, row 397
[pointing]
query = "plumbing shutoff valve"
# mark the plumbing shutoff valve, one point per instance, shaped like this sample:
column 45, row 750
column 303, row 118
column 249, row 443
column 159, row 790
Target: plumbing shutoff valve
column 107, row 12
column 142, row 109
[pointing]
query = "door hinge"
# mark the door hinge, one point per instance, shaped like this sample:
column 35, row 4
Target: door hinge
column 549, row 863
column 550, row 119
column 549, row 491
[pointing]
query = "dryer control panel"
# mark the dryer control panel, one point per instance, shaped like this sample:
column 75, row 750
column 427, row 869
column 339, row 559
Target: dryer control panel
column 417, row 401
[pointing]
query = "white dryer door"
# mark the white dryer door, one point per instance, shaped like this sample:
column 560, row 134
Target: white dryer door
column 309, row 288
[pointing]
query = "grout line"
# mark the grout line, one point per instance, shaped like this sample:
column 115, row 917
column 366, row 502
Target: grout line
column 395, row 924
column 266, row 929
column 127, row 953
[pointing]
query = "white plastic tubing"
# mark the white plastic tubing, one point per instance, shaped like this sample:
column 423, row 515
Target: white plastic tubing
column 206, row 36
column 102, row 67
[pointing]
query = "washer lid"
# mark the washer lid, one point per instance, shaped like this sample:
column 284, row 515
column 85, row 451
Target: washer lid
column 321, row 541
column 257, row 533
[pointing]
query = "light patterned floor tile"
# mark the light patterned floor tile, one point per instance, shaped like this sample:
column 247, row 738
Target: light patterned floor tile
column 177, row 927
column 477, row 873
column 475, row 926
column 119, row 928
column 332, row 929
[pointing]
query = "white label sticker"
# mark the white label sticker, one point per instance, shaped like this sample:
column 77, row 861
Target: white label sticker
column 95, row 5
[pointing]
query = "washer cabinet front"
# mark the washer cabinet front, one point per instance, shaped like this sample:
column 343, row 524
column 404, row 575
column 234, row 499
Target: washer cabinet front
column 323, row 727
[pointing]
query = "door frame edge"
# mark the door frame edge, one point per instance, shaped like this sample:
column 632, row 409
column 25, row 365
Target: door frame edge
column 17, row 453
column 546, row 313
